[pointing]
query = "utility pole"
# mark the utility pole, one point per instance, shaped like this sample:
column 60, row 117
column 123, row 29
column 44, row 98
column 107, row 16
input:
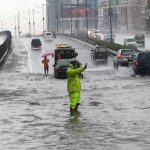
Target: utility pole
column 43, row 17
column 96, row 17
column 71, row 17
column 57, row 12
column 87, row 23
column 127, row 16
column 33, row 22
column 77, row 18
column 15, row 26
column 29, row 22
column 110, row 13
column 62, row 21
column 18, row 25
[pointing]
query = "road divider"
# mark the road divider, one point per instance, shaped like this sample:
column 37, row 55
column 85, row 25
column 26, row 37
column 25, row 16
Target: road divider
column 111, row 47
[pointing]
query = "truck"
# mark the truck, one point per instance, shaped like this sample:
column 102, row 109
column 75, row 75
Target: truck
column 63, row 54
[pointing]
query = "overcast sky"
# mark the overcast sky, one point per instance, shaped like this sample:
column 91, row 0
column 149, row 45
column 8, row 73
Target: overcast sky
column 10, row 8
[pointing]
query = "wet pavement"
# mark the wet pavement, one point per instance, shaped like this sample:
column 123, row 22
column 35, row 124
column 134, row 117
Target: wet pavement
column 114, row 113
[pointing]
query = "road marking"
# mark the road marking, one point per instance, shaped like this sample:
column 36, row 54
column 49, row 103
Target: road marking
column 31, row 70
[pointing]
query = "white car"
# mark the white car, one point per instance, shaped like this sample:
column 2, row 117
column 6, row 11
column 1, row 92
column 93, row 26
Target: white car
column 98, row 34
column 130, row 41
column 48, row 36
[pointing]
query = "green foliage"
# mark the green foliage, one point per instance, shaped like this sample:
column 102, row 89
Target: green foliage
column 112, row 46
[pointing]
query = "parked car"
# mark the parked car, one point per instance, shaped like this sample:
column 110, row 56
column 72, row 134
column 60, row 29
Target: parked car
column 48, row 36
column 130, row 41
column 99, row 53
column 141, row 63
column 123, row 57
column 60, row 68
column 36, row 44
column 140, row 40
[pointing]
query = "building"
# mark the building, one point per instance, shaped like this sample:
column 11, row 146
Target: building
column 148, row 16
column 127, row 14
column 71, row 15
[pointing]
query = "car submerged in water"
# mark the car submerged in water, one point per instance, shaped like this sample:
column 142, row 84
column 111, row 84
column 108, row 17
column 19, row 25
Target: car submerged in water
column 99, row 54
column 60, row 69
column 141, row 63
column 62, row 56
column 123, row 57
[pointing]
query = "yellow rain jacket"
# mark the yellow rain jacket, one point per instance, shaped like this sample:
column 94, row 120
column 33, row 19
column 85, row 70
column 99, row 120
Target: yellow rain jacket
column 73, row 76
column 74, row 84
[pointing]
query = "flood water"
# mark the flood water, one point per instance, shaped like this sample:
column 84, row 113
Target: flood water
column 114, row 111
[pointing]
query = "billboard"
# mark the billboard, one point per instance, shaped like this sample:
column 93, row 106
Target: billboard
column 74, row 10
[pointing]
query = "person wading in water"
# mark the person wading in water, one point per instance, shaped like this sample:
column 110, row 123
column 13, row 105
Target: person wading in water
column 45, row 61
column 74, row 84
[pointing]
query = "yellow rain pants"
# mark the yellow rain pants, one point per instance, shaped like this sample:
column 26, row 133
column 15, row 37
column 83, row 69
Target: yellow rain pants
column 74, row 99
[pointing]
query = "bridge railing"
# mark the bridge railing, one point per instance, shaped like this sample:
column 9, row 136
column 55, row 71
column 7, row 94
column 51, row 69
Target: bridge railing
column 5, row 44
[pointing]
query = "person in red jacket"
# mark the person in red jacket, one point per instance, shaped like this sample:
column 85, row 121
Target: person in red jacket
column 45, row 61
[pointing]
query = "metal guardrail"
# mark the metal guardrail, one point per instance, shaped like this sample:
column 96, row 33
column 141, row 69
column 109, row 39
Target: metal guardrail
column 89, row 41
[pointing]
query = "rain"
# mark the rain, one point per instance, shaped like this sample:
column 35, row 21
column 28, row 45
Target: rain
column 34, row 108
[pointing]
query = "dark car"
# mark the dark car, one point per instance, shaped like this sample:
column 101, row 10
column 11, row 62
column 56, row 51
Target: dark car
column 140, row 39
column 60, row 68
column 141, row 63
column 99, row 53
column 36, row 44
column 123, row 57
column 62, row 56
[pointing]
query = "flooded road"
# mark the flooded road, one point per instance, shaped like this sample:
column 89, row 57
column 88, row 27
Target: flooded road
column 114, row 114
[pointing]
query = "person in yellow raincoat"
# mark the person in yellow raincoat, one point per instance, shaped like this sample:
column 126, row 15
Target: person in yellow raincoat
column 74, row 84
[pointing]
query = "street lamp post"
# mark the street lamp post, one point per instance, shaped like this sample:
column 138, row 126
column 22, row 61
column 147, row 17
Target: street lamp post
column 96, row 17
column 77, row 18
column 33, row 22
column 15, row 26
column 29, row 22
column 71, row 17
column 57, row 12
column 87, row 23
column 43, row 17
column 18, row 25
column 127, row 16
column 110, row 12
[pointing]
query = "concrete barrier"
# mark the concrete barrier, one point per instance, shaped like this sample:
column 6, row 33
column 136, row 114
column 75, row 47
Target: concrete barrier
column 5, row 44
